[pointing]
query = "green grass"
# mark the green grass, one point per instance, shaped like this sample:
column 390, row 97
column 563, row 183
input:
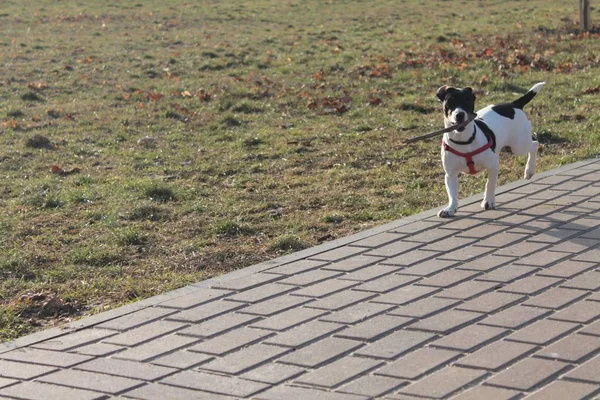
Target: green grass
column 214, row 135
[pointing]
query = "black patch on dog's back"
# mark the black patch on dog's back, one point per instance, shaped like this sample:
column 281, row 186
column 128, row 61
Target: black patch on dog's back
column 487, row 132
column 506, row 110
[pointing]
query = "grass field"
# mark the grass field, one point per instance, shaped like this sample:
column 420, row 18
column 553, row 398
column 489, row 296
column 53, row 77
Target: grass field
column 145, row 146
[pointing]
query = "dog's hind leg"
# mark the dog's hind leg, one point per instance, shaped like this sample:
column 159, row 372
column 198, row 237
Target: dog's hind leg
column 531, row 159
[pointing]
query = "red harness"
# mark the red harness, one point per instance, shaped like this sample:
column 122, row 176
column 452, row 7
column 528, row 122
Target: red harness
column 469, row 156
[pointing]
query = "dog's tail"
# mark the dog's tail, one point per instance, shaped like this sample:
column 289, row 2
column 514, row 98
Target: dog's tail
column 527, row 97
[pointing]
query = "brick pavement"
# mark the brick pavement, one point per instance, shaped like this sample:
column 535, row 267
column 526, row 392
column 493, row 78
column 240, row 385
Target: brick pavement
column 501, row 304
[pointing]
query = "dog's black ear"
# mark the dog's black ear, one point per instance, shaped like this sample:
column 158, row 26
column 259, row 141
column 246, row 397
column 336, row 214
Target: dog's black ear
column 469, row 92
column 441, row 92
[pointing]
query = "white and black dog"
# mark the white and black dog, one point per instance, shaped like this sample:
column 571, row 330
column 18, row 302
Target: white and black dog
column 475, row 146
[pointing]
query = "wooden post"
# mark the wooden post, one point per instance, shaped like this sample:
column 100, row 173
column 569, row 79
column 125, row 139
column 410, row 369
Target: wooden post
column 585, row 21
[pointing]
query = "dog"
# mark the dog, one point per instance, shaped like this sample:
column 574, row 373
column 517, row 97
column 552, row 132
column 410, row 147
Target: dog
column 475, row 146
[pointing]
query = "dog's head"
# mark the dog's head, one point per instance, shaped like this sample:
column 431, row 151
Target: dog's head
column 458, row 104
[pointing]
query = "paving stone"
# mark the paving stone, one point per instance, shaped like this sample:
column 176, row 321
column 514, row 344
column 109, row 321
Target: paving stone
column 497, row 355
column 486, row 263
column 491, row 302
column 406, row 294
column 216, row 326
column 564, row 390
column 470, row 338
column 488, row 393
column 98, row 349
column 227, row 385
column 371, row 386
column 244, row 359
column 543, row 332
column 247, row 282
column 449, row 278
column 75, row 339
column 379, row 239
column 528, row 374
column 393, row 249
column 572, row 349
column 261, row 293
column 273, row 373
column 411, row 257
column 44, row 357
column 593, row 329
column 375, row 327
column 18, row 370
column 467, row 290
column 466, row 253
column 536, row 225
column 431, row 235
column 515, row 317
column 508, row 273
column 414, row 365
column 275, row 305
column 587, row 281
column 520, row 249
column 145, row 333
column 200, row 296
column 446, row 321
column 309, row 277
column 304, row 334
column 135, row 319
column 501, row 240
column 567, row 269
column 325, row 288
column 126, row 369
column 531, row 285
column 387, row 283
column 424, row 308
column 156, row 347
column 481, row 230
column 427, row 268
column 444, row 382
column 340, row 300
column 356, row 313
column 588, row 371
column 339, row 253
column 321, row 352
column 418, row 226
column 182, row 359
column 353, row 263
column 554, row 235
column 575, row 245
column 301, row 393
column 4, row 382
column 338, row 372
column 90, row 381
column 582, row 312
column 369, row 273
column 43, row 391
column 154, row 391
column 288, row 319
column 590, row 256
column 231, row 341
column 395, row 344
column 295, row 267
column 206, row 311
column 543, row 258
column 453, row 242
column 555, row 298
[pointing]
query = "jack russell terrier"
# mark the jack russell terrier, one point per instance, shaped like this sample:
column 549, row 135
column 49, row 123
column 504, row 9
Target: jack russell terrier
column 475, row 146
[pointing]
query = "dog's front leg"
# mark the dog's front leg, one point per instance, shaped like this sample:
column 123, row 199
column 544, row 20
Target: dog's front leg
column 452, row 189
column 489, row 198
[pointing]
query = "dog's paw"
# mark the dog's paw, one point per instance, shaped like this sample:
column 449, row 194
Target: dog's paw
column 446, row 213
column 488, row 205
column 529, row 174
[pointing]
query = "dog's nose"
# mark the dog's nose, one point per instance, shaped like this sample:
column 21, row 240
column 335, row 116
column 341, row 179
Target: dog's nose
column 460, row 117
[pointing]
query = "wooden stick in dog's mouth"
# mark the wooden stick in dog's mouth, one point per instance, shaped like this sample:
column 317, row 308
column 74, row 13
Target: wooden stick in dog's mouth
column 441, row 131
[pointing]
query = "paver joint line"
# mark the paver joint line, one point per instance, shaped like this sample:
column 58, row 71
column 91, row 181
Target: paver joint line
column 492, row 304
